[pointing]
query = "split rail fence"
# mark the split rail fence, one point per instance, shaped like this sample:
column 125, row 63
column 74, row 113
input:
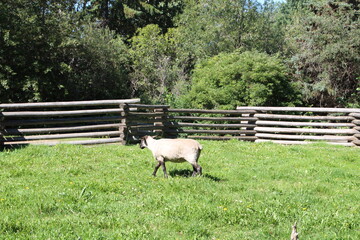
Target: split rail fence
column 303, row 125
column 285, row 125
column 191, row 123
column 76, row 122
column 122, row 121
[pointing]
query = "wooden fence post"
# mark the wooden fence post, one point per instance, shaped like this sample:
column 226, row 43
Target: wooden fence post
column 2, row 127
column 165, row 120
column 124, row 108
column 252, row 122
column 161, row 121
column 356, row 140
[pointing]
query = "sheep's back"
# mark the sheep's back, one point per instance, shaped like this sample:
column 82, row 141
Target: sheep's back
column 178, row 149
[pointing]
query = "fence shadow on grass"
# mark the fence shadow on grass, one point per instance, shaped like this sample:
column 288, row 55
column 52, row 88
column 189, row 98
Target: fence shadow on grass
column 12, row 147
column 186, row 173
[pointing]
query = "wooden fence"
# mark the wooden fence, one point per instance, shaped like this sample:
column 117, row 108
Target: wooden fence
column 192, row 123
column 52, row 122
column 339, row 126
column 299, row 125
column 121, row 121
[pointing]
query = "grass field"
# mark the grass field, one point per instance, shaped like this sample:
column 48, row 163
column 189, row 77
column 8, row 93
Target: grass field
column 247, row 191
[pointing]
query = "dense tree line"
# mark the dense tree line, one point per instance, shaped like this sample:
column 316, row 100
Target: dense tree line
column 194, row 53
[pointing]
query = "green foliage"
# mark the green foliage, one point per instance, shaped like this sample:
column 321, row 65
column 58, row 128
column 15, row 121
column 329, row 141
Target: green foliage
column 208, row 28
column 127, row 16
column 324, row 41
column 240, row 79
column 48, row 54
column 156, row 71
column 74, row 50
column 30, row 54
column 248, row 191
column 97, row 64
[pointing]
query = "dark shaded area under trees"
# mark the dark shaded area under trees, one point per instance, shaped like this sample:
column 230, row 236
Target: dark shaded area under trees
column 163, row 51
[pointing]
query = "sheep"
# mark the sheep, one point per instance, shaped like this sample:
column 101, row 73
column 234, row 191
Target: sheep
column 173, row 150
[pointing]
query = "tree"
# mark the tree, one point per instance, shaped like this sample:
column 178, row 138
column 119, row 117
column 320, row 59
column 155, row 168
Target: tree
column 97, row 63
column 125, row 17
column 154, row 67
column 47, row 54
column 208, row 28
column 31, row 34
column 324, row 41
column 240, row 79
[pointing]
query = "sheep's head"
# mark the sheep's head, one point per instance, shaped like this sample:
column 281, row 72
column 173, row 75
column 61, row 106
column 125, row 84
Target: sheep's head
column 143, row 143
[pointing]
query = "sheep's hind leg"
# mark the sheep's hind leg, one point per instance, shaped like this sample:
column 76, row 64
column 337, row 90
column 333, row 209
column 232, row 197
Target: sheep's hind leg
column 197, row 170
column 164, row 169
column 194, row 171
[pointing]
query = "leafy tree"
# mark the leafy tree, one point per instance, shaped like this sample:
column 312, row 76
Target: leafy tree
column 210, row 27
column 240, row 79
column 30, row 63
column 96, row 49
column 324, row 45
column 154, row 68
column 125, row 17
column 162, row 63
column 97, row 64
column 48, row 54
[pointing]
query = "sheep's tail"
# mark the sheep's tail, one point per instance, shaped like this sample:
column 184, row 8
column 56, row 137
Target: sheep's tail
column 200, row 147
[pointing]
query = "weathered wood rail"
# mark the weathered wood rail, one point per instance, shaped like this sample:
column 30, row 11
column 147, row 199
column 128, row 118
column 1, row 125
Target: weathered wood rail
column 97, row 122
column 303, row 125
column 284, row 125
column 121, row 121
column 191, row 123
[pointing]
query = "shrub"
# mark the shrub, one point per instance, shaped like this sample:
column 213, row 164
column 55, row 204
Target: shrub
column 97, row 65
column 239, row 79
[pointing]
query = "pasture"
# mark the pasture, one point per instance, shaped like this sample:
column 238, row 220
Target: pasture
column 247, row 191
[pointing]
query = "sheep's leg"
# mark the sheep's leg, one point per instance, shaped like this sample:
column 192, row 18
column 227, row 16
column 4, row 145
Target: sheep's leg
column 156, row 168
column 194, row 171
column 161, row 162
column 164, row 169
column 197, row 170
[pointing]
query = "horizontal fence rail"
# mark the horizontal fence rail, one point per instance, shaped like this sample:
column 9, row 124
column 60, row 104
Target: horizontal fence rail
column 287, row 125
column 127, row 120
column 161, row 120
column 300, row 109
column 75, row 122
column 68, row 104
column 303, row 125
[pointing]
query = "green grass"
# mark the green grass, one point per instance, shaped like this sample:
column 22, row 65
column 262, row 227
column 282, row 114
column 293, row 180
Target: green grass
column 247, row 191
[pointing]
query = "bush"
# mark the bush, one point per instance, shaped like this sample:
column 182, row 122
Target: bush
column 97, row 65
column 240, row 79
column 157, row 71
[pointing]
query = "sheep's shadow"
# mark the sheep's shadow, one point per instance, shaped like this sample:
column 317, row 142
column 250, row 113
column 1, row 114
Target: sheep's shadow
column 186, row 173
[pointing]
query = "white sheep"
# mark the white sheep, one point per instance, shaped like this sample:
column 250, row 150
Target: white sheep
column 173, row 150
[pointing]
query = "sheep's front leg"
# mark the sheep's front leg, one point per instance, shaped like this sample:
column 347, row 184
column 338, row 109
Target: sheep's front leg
column 161, row 162
column 156, row 168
